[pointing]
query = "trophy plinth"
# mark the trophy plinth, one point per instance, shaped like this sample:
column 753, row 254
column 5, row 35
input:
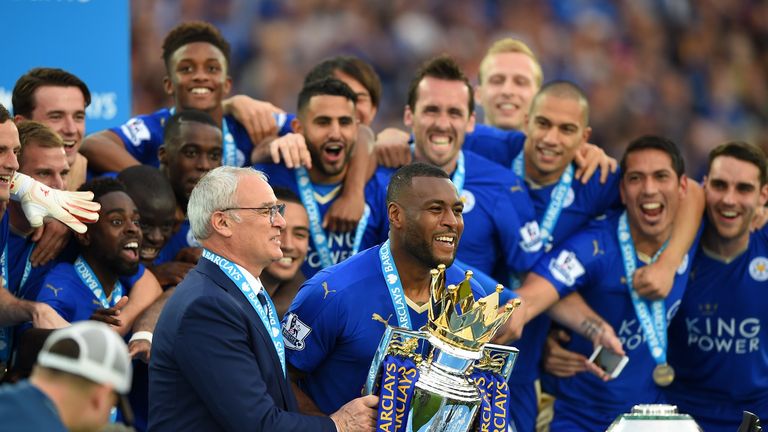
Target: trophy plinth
column 453, row 363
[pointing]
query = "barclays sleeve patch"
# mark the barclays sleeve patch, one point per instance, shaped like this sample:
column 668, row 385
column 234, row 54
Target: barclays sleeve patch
column 136, row 131
column 295, row 332
column 566, row 268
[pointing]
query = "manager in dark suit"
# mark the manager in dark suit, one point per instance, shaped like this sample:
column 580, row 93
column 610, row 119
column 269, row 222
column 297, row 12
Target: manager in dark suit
column 218, row 358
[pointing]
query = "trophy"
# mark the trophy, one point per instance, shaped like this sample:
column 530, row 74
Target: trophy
column 441, row 377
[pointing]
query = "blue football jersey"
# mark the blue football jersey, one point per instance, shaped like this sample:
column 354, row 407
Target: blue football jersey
column 65, row 292
column 492, row 143
column 716, row 343
column 591, row 262
column 335, row 326
column 341, row 245
column 143, row 135
column 20, row 269
column 181, row 239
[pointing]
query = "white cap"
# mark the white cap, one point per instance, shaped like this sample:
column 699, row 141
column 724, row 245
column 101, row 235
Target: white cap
column 92, row 350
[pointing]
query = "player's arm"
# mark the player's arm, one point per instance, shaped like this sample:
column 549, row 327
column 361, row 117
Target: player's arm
column 106, row 152
column 537, row 295
column 257, row 117
column 345, row 212
column 392, row 149
column 655, row 280
column 306, row 404
column 574, row 313
column 140, row 344
column 15, row 311
column 144, row 292
column 591, row 157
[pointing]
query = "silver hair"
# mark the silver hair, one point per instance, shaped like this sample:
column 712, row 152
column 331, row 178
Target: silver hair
column 215, row 191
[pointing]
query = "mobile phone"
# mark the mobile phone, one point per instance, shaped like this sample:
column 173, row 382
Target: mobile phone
column 610, row 362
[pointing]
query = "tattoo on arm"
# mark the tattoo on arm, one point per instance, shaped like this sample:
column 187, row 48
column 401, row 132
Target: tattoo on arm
column 592, row 328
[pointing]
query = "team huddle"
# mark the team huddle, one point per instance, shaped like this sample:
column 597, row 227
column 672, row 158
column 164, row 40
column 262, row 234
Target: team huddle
column 252, row 259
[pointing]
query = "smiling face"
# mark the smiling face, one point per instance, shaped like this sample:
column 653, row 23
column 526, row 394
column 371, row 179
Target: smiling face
column 294, row 242
column 733, row 193
column 555, row 129
column 48, row 165
column 116, row 238
column 157, row 222
column 9, row 148
column 508, row 86
column 63, row 110
column 364, row 108
column 433, row 221
column 440, row 120
column 330, row 130
column 197, row 77
column 651, row 191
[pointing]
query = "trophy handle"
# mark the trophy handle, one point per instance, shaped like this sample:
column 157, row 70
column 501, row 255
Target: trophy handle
column 392, row 339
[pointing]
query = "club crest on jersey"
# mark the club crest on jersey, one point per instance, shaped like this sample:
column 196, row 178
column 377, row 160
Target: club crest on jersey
column 295, row 332
column 468, row 198
column 530, row 236
column 136, row 131
column 566, row 268
column 758, row 269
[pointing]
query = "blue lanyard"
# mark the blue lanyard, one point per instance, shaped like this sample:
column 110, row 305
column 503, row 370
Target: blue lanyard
column 268, row 317
column 559, row 195
column 319, row 238
column 395, row 286
column 653, row 322
column 228, row 146
column 85, row 273
column 458, row 174
column 6, row 333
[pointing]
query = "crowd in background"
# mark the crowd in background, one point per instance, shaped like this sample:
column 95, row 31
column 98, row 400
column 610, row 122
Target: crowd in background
column 695, row 71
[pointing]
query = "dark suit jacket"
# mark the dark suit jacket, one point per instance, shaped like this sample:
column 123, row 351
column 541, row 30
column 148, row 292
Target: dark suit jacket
column 213, row 366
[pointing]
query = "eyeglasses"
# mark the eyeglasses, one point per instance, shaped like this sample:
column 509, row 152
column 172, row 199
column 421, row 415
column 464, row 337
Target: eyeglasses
column 273, row 211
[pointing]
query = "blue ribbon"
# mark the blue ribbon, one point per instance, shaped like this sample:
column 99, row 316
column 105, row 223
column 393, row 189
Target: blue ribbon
column 6, row 333
column 559, row 194
column 387, row 395
column 653, row 322
column 408, row 375
column 395, row 286
column 268, row 317
column 319, row 238
column 494, row 401
column 85, row 273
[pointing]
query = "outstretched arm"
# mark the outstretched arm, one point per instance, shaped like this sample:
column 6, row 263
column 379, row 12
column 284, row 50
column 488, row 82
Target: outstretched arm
column 105, row 152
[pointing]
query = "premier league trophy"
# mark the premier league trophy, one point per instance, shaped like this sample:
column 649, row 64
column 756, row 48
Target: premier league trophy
column 439, row 378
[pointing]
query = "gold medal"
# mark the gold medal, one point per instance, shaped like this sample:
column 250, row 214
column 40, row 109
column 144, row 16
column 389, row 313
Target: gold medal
column 663, row 375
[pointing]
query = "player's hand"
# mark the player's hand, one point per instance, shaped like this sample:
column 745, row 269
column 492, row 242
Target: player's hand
column 511, row 330
column 39, row 201
column 291, row 150
column 189, row 254
column 140, row 349
column 51, row 238
column 45, row 317
column 256, row 116
column 588, row 159
column 392, row 149
column 110, row 315
column 357, row 415
column 557, row 360
column 344, row 214
column 654, row 281
column 172, row 272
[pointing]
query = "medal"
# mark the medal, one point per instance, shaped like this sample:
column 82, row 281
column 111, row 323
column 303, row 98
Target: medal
column 663, row 375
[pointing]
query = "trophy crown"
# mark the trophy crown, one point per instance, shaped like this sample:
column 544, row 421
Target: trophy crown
column 457, row 319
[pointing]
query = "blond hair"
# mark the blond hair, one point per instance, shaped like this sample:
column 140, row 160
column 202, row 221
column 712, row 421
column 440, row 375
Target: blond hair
column 509, row 45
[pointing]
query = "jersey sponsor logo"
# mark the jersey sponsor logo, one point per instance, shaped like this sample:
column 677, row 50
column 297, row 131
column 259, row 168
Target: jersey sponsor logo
column 531, row 237
column 630, row 332
column 683, row 265
column 468, row 198
column 295, row 332
column 136, row 131
column 710, row 333
column 758, row 269
column 566, row 267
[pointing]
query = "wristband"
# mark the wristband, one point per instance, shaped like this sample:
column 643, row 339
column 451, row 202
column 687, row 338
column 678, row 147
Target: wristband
column 141, row 335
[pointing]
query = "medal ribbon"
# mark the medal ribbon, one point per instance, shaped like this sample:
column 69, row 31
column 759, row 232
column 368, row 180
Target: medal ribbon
column 555, row 207
column 494, row 401
column 653, row 321
column 395, row 286
column 6, row 333
column 268, row 317
column 85, row 273
column 319, row 238
column 398, row 382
